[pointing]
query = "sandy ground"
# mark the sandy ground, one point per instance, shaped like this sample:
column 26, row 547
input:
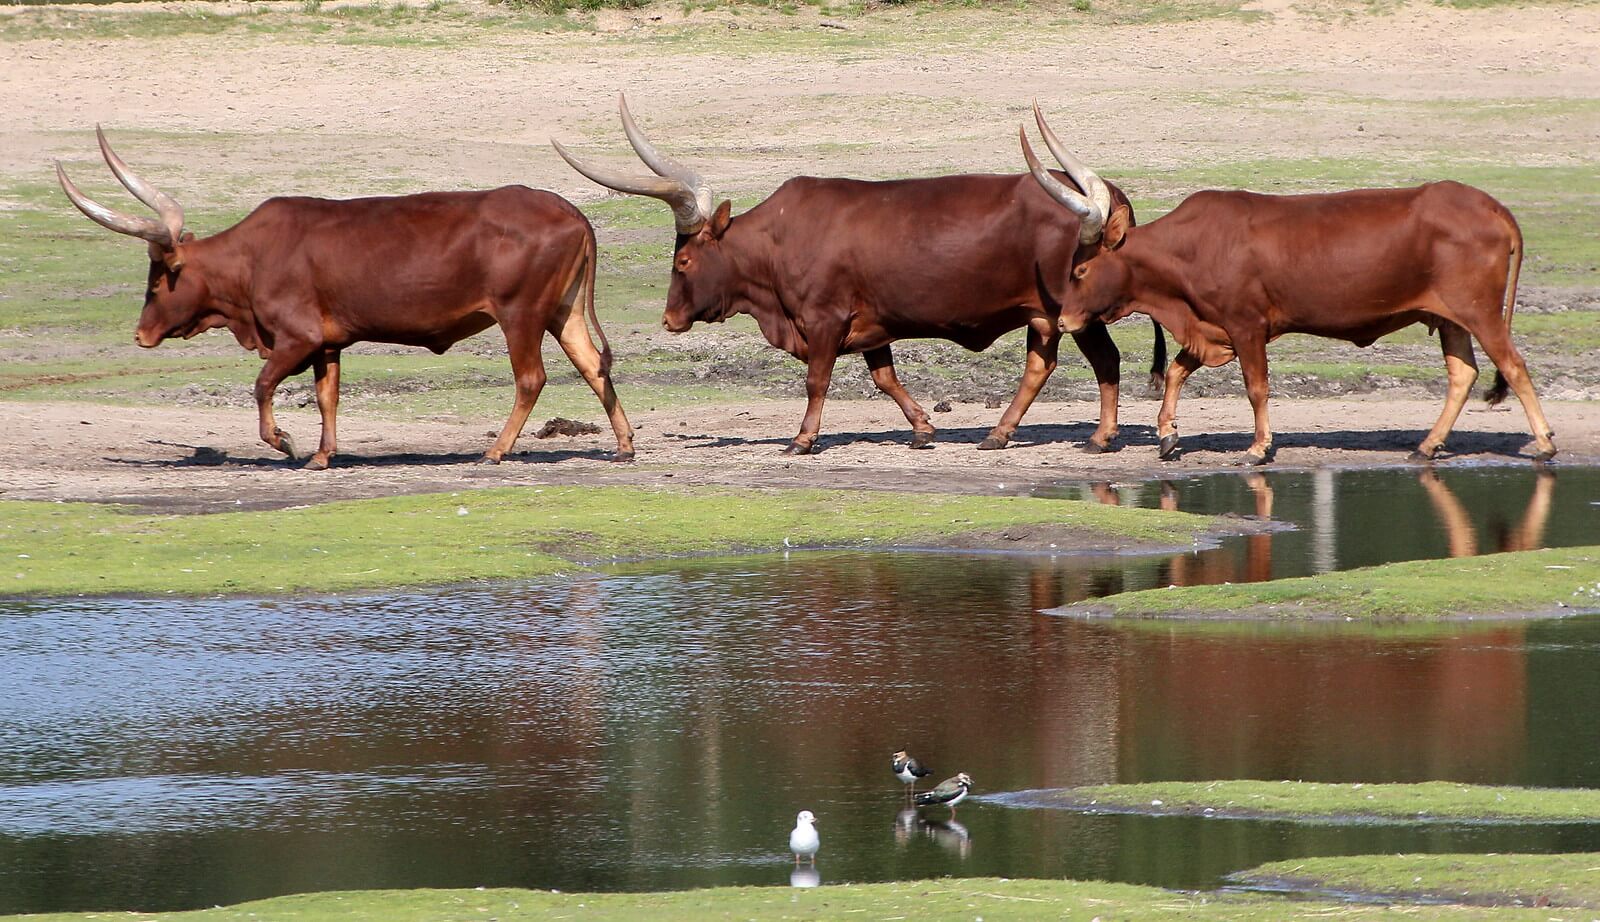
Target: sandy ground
column 230, row 118
column 329, row 118
column 208, row 460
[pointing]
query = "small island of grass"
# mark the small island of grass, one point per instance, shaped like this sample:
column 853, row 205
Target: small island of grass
column 1549, row 583
column 1432, row 801
column 1482, row 880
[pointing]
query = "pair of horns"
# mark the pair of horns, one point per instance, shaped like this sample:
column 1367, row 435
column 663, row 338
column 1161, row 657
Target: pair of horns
column 165, row 233
column 1092, row 205
column 674, row 183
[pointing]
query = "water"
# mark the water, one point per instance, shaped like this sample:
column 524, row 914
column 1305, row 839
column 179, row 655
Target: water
column 659, row 726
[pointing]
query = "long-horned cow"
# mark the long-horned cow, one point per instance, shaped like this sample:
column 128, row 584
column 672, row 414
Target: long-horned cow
column 1228, row 272
column 838, row 266
column 299, row 279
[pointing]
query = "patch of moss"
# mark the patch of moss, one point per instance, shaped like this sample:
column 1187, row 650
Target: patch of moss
column 84, row 548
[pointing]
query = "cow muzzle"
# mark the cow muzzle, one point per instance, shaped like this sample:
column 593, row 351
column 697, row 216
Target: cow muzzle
column 1067, row 324
column 146, row 340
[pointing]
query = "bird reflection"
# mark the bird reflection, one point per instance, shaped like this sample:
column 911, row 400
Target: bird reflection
column 905, row 823
column 805, row 877
column 952, row 836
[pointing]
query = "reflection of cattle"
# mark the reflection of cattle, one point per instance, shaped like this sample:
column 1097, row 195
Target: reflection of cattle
column 1463, row 536
column 299, row 279
column 1228, row 272
column 837, row 266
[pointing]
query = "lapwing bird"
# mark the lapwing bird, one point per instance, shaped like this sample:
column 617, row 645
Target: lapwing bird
column 804, row 841
column 908, row 770
column 949, row 792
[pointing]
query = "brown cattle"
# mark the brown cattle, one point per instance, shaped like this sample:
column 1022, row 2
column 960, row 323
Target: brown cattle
column 1228, row 272
column 836, row 266
column 301, row 278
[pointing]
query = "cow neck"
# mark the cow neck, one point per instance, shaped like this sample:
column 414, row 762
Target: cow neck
column 229, row 288
column 751, row 260
column 227, row 276
column 1155, row 270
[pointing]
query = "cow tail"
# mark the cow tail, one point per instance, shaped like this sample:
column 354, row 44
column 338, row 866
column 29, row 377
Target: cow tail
column 1158, row 365
column 591, row 258
column 1497, row 393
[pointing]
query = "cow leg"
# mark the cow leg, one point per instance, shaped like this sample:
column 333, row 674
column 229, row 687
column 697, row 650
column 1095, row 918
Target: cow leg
column 1252, row 353
column 1044, row 343
column 285, row 360
column 1462, row 369
column 1167, row 420
column 527, row 367
column 819, row 374
column 1101, row 350
column 1496, row 340
column 881, row 363
column 326, row 368
column 579, row 347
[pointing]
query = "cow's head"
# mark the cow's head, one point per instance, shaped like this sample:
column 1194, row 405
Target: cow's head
column 704, row 281
column 1097, row 285
column 175, row 293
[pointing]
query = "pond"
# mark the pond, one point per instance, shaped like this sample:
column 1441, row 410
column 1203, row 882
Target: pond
column 659, row 726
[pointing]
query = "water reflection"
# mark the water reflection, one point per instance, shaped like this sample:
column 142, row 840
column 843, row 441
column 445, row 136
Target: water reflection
column 663, row 723
column 1350, row 519
column 805, row 876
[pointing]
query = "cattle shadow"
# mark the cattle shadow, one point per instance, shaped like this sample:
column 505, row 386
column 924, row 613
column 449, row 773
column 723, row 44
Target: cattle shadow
column 1075, row 435
column 205, row 456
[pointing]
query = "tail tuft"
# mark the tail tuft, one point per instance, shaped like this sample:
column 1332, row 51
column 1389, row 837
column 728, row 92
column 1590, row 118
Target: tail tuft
column 1494, row 395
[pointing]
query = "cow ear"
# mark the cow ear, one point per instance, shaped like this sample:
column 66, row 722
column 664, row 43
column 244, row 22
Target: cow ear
column 721, row 220
column 173, row 258
column 1080, row 270
column 1117, row 227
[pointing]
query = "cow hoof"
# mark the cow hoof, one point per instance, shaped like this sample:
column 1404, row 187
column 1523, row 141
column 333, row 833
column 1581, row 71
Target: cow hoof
column 286, row 444
column 622, row 456
column 1251, row 459
column 1169, row 447
column 1092, row 447
column 1420, row 455
column 922, row 440
column 315, row 463
column 488, row 459
column 1544, row 456
column 991, row 444
column 796, row 448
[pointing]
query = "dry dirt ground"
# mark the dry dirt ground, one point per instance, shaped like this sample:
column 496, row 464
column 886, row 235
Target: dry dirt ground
column 208, row 460
column 751, row 99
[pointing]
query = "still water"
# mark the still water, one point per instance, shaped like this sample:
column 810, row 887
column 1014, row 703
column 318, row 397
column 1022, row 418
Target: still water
column 658, row 727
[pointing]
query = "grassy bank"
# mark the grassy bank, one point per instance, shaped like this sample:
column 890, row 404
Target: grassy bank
column 1429, row 801
column 68, row 548
column 926, row 901
column 1494, row 880
column 1551, row 582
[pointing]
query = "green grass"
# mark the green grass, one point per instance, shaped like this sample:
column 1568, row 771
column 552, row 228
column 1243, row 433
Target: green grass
column 1548, row 582
column 66, row 548
column 1430, row 801
column 965, row 899
column 1563, row 880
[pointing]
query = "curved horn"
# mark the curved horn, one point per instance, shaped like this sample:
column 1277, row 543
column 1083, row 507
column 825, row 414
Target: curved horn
column 145, row 228
column 686, row 211
column 165, row 205
column 1087, row 180
column 661, row 164
column 1091, row 220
